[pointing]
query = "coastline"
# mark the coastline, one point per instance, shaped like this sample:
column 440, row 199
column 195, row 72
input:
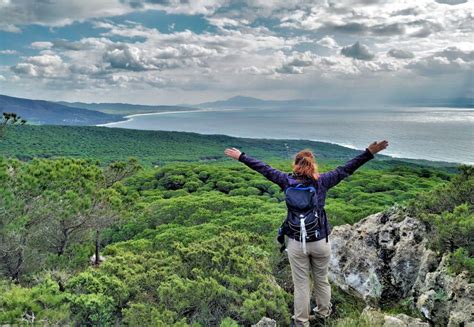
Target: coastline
column 130, row 117
column 388, row 154
column 344, row 145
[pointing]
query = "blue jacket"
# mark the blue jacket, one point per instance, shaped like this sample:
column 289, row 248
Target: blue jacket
column 322, row 184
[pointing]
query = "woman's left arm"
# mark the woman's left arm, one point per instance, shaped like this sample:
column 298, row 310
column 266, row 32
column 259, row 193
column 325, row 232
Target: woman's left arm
column 274, row 175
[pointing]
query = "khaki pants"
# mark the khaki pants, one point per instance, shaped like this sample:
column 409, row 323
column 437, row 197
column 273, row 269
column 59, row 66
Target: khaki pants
column 315, row 260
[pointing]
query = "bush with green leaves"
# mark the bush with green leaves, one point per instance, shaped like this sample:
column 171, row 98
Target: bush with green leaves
column 449, row 211
column 43, row 304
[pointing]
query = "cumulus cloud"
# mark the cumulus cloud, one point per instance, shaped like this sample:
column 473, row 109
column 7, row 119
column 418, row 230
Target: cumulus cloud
column 328, row 42
column 160, row 59
column 357, row 51
column 258, row 46
column 364, row 29
column 56, row 13
column 453, row 53
column 295, row 63
column 401, row 54
column 437, row 65
column 189, row 7
column 425, row 28
column 135, row 58
column 451, row 60
column 47, row 65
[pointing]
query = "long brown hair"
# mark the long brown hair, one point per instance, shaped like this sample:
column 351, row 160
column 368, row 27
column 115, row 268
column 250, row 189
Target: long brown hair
column 305, row 165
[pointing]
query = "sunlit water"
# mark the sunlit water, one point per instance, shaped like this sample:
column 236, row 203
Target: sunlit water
column 441, row 134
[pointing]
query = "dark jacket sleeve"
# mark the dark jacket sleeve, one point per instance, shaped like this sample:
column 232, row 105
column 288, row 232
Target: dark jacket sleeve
column 333, row 177
column 272, row 174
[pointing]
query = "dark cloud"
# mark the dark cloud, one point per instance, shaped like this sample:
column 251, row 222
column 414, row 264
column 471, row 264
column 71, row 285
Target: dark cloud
column 288, row 69
column 141, row 3
column 401, row 54
column 294, row 64
column 423, row 32
column 351, row 28
column 426, row 27
column 67, row 45
column 391, row 29
column 406, row 12
column 362, row 29
column 453, row 53
column 357, row 51
column 451, row 2
column 130, row 58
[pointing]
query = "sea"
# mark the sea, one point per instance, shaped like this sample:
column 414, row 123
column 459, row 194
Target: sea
column 430, row 133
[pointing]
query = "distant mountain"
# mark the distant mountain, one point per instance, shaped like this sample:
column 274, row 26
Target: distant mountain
column 249, row 102
column 124, row 108
column 51, row 113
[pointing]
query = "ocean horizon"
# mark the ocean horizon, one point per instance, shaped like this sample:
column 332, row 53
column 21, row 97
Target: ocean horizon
column 429, row 133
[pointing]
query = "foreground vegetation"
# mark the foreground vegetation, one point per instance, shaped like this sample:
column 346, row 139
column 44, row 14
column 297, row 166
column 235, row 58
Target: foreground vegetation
column 184, row 243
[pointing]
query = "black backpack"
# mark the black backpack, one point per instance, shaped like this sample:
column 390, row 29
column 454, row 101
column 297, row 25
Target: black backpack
column 303, row 222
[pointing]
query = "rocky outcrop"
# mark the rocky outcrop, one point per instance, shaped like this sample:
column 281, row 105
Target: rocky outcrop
column 384, row 258
column 265, row 322
column 378, row 258
column 377, row 318
column 443, row 299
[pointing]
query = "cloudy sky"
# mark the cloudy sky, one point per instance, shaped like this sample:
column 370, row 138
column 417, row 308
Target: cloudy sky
column 185, row 51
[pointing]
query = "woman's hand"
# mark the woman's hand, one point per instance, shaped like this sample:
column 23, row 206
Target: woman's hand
column 377, row 146
column 233, row 153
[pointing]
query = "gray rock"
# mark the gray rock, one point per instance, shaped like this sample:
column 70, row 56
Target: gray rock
column 265, row 322
column 384, row 258
column 377, row 318
column 378, row 258
column 444, row 299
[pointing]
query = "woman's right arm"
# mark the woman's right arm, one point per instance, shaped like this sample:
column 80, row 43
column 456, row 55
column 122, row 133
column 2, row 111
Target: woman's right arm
column 274, row 175
column 333, row 177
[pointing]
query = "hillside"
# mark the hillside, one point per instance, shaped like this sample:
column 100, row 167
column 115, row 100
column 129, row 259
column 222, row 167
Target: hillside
column 159, row 147
column 47, row 112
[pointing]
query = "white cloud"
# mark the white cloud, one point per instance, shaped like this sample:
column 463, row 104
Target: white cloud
column 8, row 52
column 328, row 42
column 243, row 51
column 451, row 60
column 46, row 65
column 42, row 45
column 296, row 62
column 9, row 28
